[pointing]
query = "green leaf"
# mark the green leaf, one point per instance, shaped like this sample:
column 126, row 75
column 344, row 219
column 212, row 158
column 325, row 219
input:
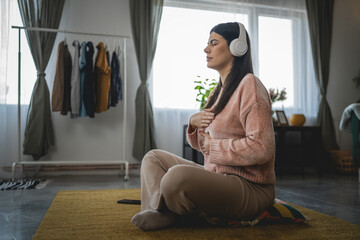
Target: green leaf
column 204, row 88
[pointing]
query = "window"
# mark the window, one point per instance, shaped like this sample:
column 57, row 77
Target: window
column 28, row 70
column 180, row 57
column 276, row 65
column 280, row 51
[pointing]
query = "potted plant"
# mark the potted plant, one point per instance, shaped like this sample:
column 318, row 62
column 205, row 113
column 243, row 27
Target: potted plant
column 276, row 96
column 204, row 88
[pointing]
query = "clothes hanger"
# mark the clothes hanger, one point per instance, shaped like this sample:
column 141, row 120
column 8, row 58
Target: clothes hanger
column 119, row 48
column 106, row 44
column 114, row 45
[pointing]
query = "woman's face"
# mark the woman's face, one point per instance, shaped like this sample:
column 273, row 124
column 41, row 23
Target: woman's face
column 218, row 54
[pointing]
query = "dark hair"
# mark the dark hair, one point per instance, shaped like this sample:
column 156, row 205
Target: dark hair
column 241, row 66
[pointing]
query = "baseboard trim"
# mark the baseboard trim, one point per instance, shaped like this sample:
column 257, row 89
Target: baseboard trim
column 84, row 167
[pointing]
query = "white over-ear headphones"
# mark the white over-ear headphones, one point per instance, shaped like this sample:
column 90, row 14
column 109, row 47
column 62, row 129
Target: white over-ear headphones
column 238, row 46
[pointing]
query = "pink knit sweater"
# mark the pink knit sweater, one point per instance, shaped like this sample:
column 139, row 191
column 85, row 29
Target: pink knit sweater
column 243, row 141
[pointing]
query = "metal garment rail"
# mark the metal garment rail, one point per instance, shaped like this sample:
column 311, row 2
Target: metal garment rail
column 19, row 162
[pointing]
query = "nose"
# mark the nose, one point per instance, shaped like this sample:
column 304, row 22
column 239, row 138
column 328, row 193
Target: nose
column 206, row 50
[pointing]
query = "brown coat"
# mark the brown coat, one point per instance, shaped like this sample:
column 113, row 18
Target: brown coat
column 60, row 99
column 103, row 74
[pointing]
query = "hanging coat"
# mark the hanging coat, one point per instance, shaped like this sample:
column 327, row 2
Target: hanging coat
column 75, row 82
column 115, row 85
column 111, row 85
column 89, row 81
column 60, row 98
column 118, row 78
column 102, row 79
column 82, row 79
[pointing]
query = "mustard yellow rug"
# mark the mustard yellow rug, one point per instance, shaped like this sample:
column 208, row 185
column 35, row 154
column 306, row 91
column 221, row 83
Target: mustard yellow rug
column 96, row 214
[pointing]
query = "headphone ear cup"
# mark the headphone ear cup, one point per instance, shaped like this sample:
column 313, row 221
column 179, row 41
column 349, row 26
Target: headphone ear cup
column 238, row 47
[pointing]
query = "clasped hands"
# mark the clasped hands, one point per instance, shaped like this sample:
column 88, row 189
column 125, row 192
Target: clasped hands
column 202, row 120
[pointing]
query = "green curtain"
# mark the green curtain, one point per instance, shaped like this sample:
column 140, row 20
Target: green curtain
column 145, row 23
column 320, row 15
column 39, row 134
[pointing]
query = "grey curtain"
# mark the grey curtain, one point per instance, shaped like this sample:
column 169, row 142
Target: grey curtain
column 145, row 22
column 39, row 133
column 320, row 14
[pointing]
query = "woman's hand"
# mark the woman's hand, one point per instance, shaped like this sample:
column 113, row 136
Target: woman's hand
column 202, row 119
column 205, row 143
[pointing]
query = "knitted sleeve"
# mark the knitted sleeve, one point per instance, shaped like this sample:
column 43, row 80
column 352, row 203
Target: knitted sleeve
column 191, row 137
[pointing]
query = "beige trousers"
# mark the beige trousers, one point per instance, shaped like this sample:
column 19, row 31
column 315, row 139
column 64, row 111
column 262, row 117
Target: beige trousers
column 169, row 182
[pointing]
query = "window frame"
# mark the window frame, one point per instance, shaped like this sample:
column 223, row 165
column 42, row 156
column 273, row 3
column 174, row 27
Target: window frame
column 254, row 11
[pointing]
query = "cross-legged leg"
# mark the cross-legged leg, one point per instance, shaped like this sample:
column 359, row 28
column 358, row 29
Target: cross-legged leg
column 172, row 186
column 187, row 189
column 154, row 214
column 154, row 166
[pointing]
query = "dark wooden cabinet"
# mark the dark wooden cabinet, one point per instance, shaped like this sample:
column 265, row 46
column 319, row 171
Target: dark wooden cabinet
column 189, row 153
column 297, row 149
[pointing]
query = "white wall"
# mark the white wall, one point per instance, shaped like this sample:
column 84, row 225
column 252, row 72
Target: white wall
column 344, row 63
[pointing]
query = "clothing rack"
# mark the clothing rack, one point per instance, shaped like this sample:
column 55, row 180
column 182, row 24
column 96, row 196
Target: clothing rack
column 19, row 161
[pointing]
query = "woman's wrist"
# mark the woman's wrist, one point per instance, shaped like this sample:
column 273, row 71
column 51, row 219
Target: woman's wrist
column 191, row 126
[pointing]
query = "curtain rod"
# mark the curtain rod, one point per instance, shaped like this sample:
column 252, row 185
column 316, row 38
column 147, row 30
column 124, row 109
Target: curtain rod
column 66, row 31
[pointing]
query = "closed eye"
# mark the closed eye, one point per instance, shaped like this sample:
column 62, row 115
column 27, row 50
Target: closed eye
column 213, row 42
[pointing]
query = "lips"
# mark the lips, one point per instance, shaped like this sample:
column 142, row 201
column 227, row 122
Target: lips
column 208, row 59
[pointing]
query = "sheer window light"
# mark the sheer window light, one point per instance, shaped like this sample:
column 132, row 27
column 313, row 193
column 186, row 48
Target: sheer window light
column 180, row 57
column 28, row 70
column 276, row 65
column 279, row 38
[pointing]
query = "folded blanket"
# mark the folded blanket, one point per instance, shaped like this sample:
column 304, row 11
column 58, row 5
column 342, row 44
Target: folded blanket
column 345, row 123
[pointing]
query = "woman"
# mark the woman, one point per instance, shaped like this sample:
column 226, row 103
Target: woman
column 235, row 134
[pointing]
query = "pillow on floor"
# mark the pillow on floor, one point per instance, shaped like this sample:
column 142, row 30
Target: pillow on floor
column 279, row 212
